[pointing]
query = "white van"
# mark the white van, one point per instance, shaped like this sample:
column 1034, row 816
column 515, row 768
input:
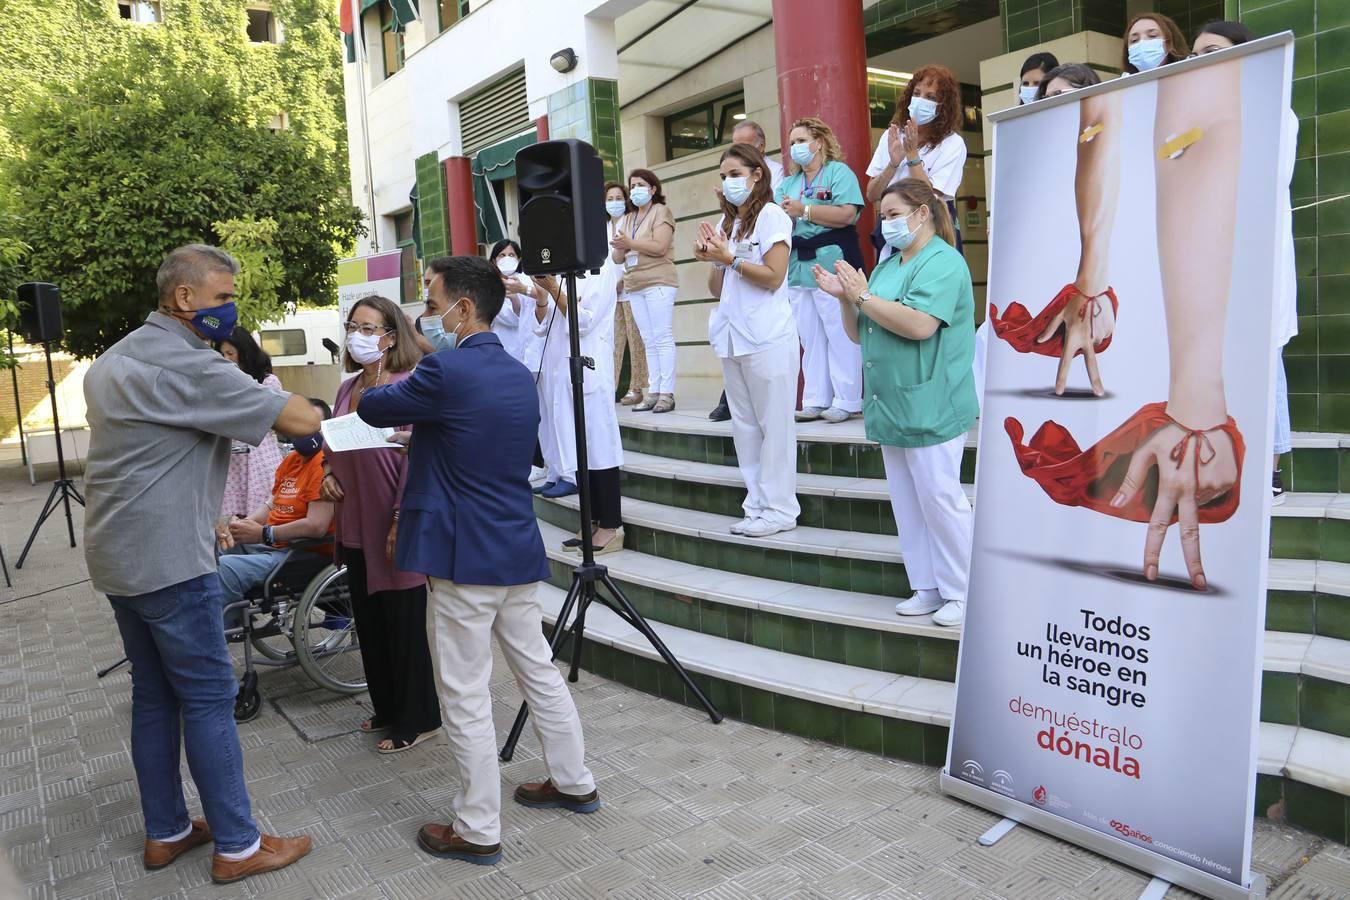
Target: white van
column 305, row 347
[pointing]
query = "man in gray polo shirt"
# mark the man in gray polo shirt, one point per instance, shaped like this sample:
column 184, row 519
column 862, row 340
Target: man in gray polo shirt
column 163, row 408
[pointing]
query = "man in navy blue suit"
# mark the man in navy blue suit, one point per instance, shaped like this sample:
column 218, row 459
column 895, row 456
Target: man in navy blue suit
column 467, row 523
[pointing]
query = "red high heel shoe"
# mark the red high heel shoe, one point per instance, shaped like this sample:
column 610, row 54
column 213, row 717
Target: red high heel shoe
column 1074, row 477
column 1019, row 329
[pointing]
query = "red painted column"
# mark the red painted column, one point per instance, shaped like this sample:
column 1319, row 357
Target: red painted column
column 822, row 71
column 541, row 128
column 459, row 202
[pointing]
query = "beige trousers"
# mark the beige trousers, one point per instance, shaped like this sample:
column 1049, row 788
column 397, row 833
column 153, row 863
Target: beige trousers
column 462, row 620
column 626, row 332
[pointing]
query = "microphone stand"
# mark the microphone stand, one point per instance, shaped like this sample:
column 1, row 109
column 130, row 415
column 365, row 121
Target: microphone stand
column 587, row 577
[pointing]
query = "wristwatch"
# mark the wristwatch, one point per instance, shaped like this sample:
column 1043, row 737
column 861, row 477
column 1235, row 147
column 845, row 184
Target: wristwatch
column 267, row 536
column 862, row 298
column 910, row 163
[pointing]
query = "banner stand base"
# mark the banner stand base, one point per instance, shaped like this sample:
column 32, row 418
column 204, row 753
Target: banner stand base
column 996, row 834
column 1161, row 867
column 1156, row 889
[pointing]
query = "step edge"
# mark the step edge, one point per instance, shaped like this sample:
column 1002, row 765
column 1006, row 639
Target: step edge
column 770, row 604
column 1336, row 580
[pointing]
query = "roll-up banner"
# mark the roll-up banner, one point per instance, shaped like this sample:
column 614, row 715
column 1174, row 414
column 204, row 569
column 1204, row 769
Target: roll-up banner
column 1109, row 677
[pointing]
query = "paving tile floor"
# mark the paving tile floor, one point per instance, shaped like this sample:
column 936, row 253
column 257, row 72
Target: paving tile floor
column 692, row 809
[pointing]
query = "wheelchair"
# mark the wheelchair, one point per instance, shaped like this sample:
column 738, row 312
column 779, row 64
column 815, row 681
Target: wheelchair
column 300, row 615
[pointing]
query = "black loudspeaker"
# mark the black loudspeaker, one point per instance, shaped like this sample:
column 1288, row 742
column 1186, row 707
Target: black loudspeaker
column 40, row 312
column 562, row 207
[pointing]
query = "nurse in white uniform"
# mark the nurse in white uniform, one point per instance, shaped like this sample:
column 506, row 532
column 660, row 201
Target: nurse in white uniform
column 753, row 332
column 594, row 311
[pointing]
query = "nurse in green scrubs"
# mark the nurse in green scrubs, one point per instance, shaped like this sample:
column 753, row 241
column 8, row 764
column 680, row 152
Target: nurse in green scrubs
column 915, row 319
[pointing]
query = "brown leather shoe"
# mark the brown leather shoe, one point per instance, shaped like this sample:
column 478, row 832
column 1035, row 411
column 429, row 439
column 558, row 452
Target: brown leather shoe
column 273, row 853
column 441, row 840
column 543, row 795
column 159, row 854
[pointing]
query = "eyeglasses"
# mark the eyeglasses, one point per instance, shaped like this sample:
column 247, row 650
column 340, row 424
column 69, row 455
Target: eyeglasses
column 368, row 330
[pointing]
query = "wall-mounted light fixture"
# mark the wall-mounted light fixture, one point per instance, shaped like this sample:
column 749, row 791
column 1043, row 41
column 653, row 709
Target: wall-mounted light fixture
column 565, row 60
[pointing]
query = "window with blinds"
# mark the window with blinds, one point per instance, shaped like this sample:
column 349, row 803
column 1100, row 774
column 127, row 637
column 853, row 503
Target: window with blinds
column 498, row 111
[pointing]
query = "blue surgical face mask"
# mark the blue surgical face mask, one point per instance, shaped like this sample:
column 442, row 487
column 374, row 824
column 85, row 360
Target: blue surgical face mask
column 215, row 322
column 433, row 329
column 922, row 110
column 896, row 231
column 1148, row 54
column 802, row 154
column 308, row 446
column 735, row 189
column 615, row 208
column 1027, row 93
column 640, row 196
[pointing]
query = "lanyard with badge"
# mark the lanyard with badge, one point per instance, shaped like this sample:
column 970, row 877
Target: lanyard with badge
column 809, row 188
column 742, row 249
column 630, row 260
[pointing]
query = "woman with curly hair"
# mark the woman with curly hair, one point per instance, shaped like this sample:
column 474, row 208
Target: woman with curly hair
column 923, row 142
column 751, row 331
column 822, row 196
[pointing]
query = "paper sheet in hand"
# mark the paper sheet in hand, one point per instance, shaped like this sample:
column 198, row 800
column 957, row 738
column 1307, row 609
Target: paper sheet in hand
column 350, row 433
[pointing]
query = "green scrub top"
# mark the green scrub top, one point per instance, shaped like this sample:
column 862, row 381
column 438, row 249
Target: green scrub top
column 843, row 185
column 921, row 393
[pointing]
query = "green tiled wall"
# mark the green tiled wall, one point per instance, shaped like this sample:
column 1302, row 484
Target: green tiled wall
column 589, row 111
column 1027, row 23
column 1191, row 14
column 432, row 212
column 1318, row 360
column 890, row 24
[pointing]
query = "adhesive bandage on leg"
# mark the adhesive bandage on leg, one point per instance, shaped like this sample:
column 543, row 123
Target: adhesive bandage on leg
column 1176, row 144
column 1089, row 133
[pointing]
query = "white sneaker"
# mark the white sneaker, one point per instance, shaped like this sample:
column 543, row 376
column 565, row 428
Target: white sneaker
column 809, row 413
column 953, row 612
column 764, row 528
column 537, row 474
column 922, row 603
column 739, row 527
column 834, row 415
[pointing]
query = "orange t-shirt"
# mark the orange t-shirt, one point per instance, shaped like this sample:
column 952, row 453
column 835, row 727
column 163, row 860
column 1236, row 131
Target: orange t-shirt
column 295, row 487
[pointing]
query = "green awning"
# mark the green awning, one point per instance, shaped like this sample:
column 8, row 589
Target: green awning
column 405, row 11
column 495, row 163
column 498, row 162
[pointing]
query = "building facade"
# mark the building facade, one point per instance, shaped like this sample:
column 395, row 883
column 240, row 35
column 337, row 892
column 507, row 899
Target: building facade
column 441, row 93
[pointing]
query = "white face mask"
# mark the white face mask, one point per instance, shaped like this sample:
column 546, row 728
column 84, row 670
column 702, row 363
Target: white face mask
column 364, row 348
column 507, row 265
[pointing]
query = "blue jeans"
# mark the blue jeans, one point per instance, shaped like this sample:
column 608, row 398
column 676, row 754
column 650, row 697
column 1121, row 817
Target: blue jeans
column 182, row 693
column 243, row 568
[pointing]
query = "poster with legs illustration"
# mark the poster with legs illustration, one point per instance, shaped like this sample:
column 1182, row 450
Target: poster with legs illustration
column 1108, row 684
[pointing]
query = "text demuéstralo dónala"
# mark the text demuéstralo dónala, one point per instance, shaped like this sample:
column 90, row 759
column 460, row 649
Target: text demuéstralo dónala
column 1077, row 654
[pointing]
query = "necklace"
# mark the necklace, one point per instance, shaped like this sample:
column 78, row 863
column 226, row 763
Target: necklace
column 361, row 388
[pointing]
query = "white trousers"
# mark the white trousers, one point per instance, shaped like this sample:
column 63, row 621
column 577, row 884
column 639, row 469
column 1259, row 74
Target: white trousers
column 762, row 394
column 548, row 442
column 831, row 363
column 932, row 515
column 654, row 311
column 462, row 619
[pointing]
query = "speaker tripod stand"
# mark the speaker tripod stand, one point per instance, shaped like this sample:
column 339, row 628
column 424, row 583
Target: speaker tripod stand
column 590, row 575
column 63, row 489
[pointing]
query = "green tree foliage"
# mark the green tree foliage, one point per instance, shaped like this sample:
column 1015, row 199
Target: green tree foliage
column 121, row 140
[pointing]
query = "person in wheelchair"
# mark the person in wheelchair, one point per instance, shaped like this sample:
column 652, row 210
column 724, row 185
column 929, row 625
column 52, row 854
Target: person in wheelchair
column 251, row 547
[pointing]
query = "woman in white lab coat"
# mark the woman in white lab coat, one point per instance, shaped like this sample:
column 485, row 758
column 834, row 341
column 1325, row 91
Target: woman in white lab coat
column 511, row 325
column 594, row 310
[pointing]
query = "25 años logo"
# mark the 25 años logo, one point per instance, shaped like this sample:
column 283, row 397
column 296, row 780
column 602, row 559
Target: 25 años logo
column 1129, row 832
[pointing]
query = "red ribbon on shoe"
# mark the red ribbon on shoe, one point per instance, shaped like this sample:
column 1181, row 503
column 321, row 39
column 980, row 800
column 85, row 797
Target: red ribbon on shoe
column 1074, row 477
column 1019, row 329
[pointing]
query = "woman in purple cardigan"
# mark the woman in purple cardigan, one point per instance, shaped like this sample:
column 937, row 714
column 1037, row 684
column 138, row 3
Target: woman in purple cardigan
column 390, row 606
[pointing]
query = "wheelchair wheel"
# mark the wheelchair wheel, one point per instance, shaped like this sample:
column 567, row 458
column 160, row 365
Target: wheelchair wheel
column 248, row 702
column 324, row 632
column 272, row 638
